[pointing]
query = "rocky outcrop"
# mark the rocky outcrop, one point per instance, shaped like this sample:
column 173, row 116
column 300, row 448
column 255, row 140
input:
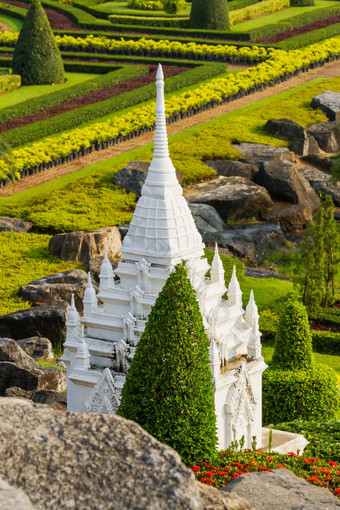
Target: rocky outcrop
column 320, row 162
column 46, row 320
column 280, row 488
column 56, row 287
column 232, row 197
column 327, row 134
column 250, row 243
column 258, row 153
column 290, row 217
column 13, row 498
column 82, row 246
column 206, row 218
column 213, row 499
column 230, row 168
column 319, row 181
column 300, row 142
column 132, row 177
column 14, row 225
column 328, row 102
column 37, row 347
column 55, row 399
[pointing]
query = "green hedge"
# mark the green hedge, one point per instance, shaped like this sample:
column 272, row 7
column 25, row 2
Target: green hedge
column 326, row 342
column 299, row 395
column 37, row 104
column 9, row 82
column 14, row 11
column 149, row 21
column 74, row 118
column 299, row 41
column 240, row 4
column 301, row 3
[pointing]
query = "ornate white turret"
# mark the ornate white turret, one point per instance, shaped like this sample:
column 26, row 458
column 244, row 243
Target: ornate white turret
column 252, row 319
column 106, row 275
column 217, row 269
column 82, row 358
column 162, row 229
column 234, row 291
column 90, row 298
column 72, row 323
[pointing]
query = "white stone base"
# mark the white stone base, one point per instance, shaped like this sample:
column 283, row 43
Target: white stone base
column 283, row 442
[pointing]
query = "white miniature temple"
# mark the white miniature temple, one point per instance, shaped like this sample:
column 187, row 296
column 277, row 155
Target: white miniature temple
column 99, row 352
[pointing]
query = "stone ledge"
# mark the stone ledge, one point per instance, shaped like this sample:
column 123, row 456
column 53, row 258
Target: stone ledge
column 283, row 442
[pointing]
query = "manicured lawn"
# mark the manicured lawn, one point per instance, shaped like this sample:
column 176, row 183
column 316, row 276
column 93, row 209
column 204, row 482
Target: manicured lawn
column 14, row 23
column 280, row 16
column 30, row 91
column 266, row 290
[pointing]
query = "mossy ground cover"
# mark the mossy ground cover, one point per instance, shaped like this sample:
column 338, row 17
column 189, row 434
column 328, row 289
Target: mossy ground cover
column 23, row 258
column 30, row 91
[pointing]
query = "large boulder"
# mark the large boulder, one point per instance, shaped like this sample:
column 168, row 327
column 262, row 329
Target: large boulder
column 319, row 181
column 14, row 225
column 232, row 197
column 37, row 347
column 56, row 287
column 13, row 498
column 213, row 499
column 206, row 218
column 46, row 320
column 92, row 461
column 327, row 134
column 280, row 488
column 82, row 246
column 132, row 177
column 319, row 161
column 290, row 217
column 290, row 130
column 250, row 243
column 229, row 168
column 12, row 352
column 283, row 182
column 258, row 153
column 328, row 102
column 55, row 399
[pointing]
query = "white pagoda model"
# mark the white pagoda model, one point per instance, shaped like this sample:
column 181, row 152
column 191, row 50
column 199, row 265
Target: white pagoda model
column 99, row 348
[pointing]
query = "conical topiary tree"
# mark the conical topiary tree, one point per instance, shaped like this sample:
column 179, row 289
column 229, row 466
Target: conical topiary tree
column 293, row 342
column 168, row 388
column 209, row 14
column 36, row 56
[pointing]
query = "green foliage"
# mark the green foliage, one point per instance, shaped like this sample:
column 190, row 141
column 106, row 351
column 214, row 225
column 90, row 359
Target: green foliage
column 323, row 437
column 269, row 322
column 148, row 21
column 168, row 388
column 9, row 82
column 302, row 3
column 293, row 342
column 209, row 14
column 299, row 395
column 173, row 6
column 328, row 317
column 327, row 342
column 145, row 5
column 25, row 258
column 258, row 9
column 36, row 56
column 299, row 41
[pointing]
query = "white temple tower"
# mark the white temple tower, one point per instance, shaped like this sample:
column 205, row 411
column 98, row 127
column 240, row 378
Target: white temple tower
column 161, row 234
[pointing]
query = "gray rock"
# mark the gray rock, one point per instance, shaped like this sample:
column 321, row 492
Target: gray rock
column 55, row 399
column 264, row 272
column 12, row 352
column 82, row 246
column 328, row 102
column 90, row 461
column 46, row 320
column 13, row 498
column 290, row 130
column 123, row 229
column 320, row 162
column 56, row 287
column 229, row 168
column 132, row 177
column 258, row 153
column 327, row 134
column 232, row 197
column 319, row 181
column 14, row 225
column 280, row 488
column 250, row 243
column 213, row 499
column 37, row 347
column 290, row 217
column 283, row 182
column 206, row 218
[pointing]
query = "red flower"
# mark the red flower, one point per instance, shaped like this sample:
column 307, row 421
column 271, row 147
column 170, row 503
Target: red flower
column 333, row 464
column 195, row 468
column 270, row 459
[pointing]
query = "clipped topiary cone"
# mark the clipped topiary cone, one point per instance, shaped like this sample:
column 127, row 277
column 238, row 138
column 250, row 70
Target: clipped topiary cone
column 36, row 55
column 209, row 14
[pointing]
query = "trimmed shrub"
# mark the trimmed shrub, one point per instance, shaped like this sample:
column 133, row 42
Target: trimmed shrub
column 145, row 5
column 9, row 82
column 148, row 21
column 168, row 388
column 209, row 14
column 326, row 342
column 173, row 6
column 293, row 341
column 299, row 395
column 299, row 41
column 301, row 3
column 326, row 316
column 36, row 56
column 263, row 7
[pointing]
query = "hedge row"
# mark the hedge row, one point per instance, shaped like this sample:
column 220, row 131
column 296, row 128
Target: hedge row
column 326, row 342
column 73, row 118
column 326, row 316
column 240, row 4
column 258, row 9
column 299, row 41
column 39, row 103
column 9, row 82
column 148, row 21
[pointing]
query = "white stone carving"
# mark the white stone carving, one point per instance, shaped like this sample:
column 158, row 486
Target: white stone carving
column 104, row 397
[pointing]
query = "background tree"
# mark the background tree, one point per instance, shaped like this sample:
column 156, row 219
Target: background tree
column 209, row 14
column 331, row 251
column 36, row 56
column 168, row 388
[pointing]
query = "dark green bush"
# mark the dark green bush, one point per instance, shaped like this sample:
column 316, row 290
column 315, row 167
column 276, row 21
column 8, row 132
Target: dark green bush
column 326, row 342
column 168, row 388
column 326, row 316
column 293, row 341
column 301, row 3
column 36, row 55
column 209, row 14
column 148, row 21
column 299, row 395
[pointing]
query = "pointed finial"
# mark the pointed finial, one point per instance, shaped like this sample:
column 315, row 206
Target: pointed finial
column 73, row 315
column 72, row 301
column 89, row 281
column 159, row 75
column 161, row 139
column 251, row 306
column 105, row 252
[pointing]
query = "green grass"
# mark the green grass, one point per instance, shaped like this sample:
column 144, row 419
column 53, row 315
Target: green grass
column 266, row 290
column 29, row 91
column 123, row 8
column 14, row 23
column 49, row 363
column 23, row 258
column 276, row 17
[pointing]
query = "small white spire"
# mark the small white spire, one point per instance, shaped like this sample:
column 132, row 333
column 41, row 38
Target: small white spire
column 251, row 309
column 73, row 316
column 217, row 269
column 90, row 298
column 83, row 356
column 234, row 291
column 106, row 273
column 161, row 149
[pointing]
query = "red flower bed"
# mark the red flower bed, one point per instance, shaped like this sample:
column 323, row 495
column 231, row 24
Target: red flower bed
column 232, row 464
column 322, row 327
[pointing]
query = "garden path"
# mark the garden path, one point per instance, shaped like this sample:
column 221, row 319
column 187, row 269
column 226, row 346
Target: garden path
column 331, row 70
